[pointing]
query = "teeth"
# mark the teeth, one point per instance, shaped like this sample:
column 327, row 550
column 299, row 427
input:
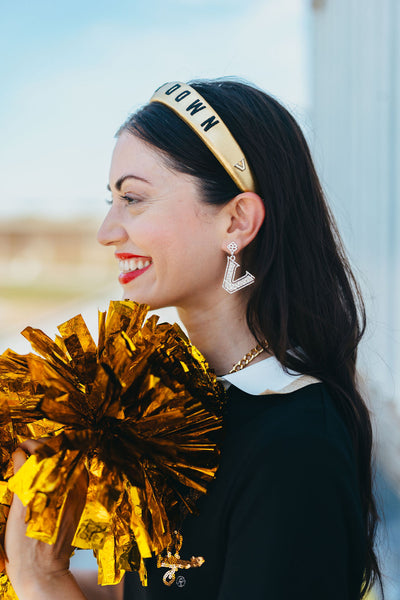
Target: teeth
column 133, row 264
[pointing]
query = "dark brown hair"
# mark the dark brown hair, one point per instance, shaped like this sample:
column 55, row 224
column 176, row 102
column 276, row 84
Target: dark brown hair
column 305, row 299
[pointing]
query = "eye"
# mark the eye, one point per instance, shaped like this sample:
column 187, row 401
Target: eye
column 129, row 200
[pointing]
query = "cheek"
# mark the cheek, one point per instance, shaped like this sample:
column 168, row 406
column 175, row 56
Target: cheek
column 180, row 234
column 199, row 251
column 151, row 235
column 181, row 240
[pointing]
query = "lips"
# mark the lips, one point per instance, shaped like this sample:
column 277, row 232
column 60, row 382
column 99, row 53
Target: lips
column 131, row 266
column 127, row 256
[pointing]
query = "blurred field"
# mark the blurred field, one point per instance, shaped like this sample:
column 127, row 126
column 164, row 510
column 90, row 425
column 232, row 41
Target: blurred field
column 48, row 270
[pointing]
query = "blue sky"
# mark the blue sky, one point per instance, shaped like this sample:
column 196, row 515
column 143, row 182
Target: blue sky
column 71, row 72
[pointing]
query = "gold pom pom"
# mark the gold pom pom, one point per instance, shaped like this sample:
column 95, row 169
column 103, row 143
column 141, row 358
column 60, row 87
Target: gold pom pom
column 141, row 411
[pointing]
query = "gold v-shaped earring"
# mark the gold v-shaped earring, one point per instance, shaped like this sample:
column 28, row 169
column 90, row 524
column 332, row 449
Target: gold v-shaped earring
column 229, row 284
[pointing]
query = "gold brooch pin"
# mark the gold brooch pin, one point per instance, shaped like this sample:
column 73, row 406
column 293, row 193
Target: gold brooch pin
column 173, row 561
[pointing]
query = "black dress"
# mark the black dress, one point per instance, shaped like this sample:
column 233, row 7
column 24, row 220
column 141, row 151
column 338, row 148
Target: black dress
column 282, row 520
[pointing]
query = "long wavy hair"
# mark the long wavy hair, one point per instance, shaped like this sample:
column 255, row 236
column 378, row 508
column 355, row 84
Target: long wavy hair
column 305, row 298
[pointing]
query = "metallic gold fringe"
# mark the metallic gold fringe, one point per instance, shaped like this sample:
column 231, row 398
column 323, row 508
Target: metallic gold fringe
column 141, row 412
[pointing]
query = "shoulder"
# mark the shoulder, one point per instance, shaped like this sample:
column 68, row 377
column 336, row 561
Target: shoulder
column 290, row 455
column 302, row 428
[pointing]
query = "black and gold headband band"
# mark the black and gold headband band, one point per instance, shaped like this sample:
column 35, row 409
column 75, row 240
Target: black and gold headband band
column 190, row 106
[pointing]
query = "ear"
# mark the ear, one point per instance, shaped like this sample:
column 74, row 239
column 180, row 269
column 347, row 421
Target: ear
column 244, row 215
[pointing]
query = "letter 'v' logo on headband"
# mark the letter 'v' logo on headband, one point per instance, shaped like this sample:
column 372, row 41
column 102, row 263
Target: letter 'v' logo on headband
column 241, row 165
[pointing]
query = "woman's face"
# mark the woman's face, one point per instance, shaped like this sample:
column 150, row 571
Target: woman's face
column 169, row 244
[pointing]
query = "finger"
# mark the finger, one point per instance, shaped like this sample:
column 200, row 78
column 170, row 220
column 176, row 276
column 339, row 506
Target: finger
column 17, row 513
column 30, row 446
column 72, row 513
column 19, row 458
column 79, row 492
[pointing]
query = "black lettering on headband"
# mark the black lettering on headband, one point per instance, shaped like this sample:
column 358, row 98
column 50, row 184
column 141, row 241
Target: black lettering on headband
column 195, row 107
column 182, row 95
column 173, row 89
column 208, row 123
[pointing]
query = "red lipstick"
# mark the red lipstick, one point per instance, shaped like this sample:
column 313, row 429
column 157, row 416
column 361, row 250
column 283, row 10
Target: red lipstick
column 127, row 256
column 127, row 277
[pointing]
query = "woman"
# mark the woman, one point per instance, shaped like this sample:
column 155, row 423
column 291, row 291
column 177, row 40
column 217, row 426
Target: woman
column 217, row 210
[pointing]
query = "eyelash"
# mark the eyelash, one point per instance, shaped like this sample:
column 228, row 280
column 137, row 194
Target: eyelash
column 128, row 200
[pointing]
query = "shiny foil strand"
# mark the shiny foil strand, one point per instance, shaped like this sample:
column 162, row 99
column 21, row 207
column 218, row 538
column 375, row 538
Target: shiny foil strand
column 140, row 412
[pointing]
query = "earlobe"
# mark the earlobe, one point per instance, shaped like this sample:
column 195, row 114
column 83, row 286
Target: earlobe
column 246, row 214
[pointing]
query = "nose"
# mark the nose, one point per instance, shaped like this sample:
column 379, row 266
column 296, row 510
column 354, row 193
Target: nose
column 111, row 232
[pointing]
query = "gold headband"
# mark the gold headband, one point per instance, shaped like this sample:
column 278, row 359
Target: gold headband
column 190, row 106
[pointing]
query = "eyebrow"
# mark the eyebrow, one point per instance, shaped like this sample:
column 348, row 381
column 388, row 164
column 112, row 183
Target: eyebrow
column 121, row 180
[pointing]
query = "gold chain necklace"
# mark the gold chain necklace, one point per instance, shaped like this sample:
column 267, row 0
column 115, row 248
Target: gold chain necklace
column 247, row 358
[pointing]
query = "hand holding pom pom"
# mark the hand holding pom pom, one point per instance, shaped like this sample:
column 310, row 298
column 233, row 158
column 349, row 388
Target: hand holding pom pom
column 141, row 412
column 30, row 560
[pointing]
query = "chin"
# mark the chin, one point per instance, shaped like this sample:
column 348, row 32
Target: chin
column 126, row 295
column 134, row 297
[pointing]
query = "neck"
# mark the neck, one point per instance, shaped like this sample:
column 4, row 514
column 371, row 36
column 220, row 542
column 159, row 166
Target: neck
column 220, row 333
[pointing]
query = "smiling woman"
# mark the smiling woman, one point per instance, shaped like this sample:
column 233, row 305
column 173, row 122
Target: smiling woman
column 158, row 216
column 209, row 180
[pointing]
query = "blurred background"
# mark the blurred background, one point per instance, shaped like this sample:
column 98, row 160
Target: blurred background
column 71, row 73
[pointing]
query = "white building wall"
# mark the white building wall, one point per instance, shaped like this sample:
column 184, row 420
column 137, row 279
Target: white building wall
column 356, row 131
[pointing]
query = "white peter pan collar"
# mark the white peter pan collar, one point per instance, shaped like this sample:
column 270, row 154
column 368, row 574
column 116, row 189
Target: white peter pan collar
column 267, row 377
